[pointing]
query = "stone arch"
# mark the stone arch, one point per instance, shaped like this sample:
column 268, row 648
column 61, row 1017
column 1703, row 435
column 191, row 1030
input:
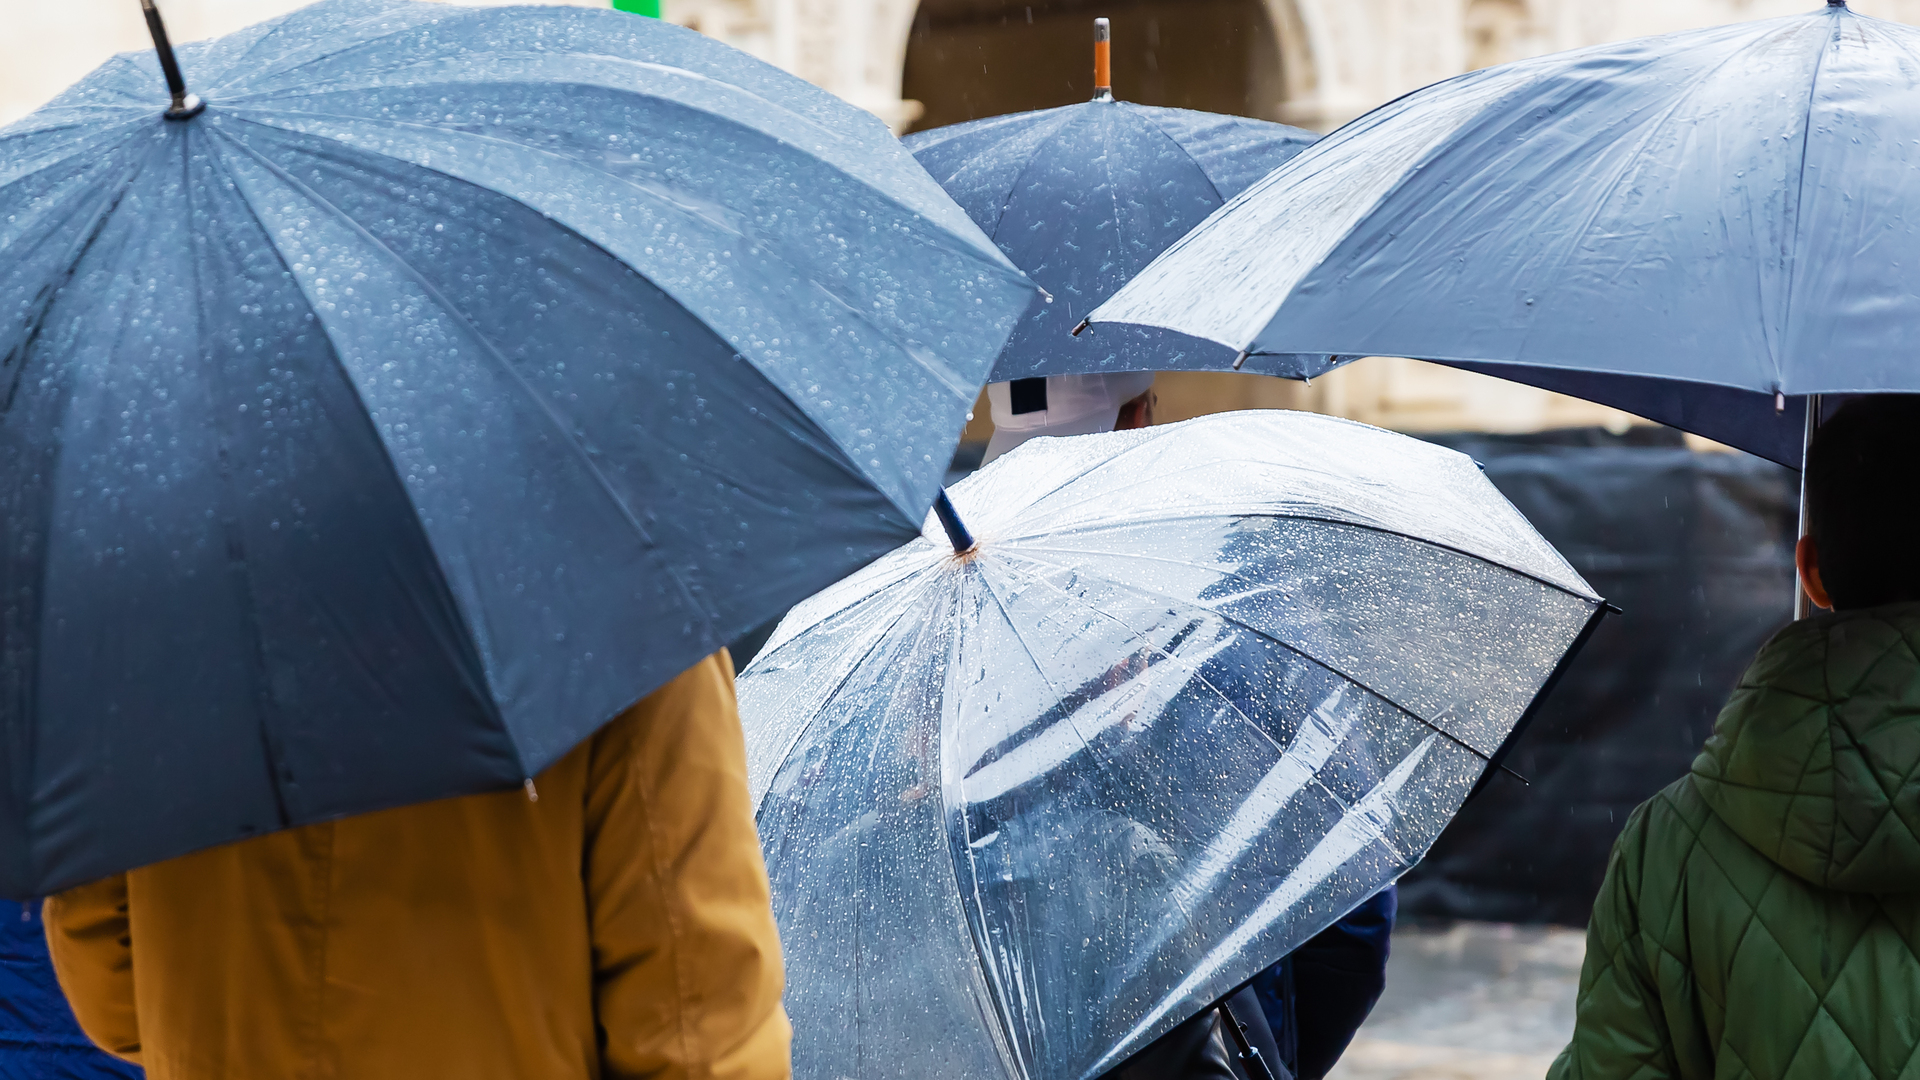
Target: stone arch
column 964, row 59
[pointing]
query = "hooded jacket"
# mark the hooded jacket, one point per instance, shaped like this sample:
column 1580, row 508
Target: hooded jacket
column 619, row 926
column 1761, row 916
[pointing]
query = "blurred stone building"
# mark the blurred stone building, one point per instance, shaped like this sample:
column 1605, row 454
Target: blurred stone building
column 923, row 63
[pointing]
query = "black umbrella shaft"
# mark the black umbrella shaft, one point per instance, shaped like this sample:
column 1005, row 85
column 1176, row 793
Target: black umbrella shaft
column 170, row 67
column 1802, row 602
column 957, row 533
column 1250, row 1058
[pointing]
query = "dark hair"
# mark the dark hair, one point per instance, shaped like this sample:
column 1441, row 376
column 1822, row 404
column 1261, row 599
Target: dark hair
column 1863, row 501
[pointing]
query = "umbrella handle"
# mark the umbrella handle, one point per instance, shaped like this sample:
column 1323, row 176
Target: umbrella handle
column 1250, row 1058
column 185, row 105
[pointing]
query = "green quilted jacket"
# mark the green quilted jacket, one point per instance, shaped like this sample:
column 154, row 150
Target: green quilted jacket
column 1761, row 916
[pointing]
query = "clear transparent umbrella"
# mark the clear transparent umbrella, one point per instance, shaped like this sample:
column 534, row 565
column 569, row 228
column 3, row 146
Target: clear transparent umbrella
column 1193, row 693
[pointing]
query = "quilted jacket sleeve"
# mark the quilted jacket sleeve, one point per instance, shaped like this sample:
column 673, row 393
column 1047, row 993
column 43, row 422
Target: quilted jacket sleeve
column 88, row 935
column 1620, row 1029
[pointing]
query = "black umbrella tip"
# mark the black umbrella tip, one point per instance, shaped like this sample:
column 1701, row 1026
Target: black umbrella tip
column 185, row 106
column 1079, row 329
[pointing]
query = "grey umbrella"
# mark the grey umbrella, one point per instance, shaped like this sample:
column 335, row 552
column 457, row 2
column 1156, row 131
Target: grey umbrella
column 1700, row 228
column 1083, row 197
column 444, row 382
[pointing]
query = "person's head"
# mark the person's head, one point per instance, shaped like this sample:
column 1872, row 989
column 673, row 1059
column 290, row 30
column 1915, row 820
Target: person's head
column 1067, row 405
column 1862, row 547
column 1137, row 412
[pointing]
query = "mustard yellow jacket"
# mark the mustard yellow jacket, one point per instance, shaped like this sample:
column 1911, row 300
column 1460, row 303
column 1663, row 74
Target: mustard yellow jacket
column 619, row 926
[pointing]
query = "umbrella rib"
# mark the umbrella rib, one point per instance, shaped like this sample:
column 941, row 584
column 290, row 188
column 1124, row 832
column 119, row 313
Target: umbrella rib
column 769, row 255
column 488, row 699
column 1619, row 176
column 93, row 148
column 1337, row 522
column 1799, row 199
column 1296, row 650
column 1147, row 120
column 1145, row 443
column 363, row 43
column 261, row 112
column 1173, row 658
column 800, row 731
column 984, row 255
column 270, row 745
column 111, row 200
column 487, row 349
column 1033, row 158
column 1053, row 690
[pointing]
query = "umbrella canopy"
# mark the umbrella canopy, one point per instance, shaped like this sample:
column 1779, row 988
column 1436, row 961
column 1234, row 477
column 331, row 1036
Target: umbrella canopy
column 455, row 378
column 1695, row 227
column 1083, row 197
column 1194, row 693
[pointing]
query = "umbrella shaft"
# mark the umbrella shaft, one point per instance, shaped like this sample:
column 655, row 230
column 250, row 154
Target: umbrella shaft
column 170, row 67
column 1250, row 1058
column 957, row 531
column 1802, row 603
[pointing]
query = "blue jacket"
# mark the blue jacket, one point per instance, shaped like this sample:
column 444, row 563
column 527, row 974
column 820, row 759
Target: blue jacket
column 1298, row 1015
column 1318, row 995
column 38, row 1037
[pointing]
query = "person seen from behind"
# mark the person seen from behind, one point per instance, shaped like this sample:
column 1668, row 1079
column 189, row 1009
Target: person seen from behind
column 1295, row 1019
column 611, row 921
column 1760, row 917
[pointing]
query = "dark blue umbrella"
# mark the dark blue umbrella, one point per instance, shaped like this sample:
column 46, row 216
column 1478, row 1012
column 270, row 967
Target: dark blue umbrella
column 1699, row 228
column 1084, row 196
column 452, row 380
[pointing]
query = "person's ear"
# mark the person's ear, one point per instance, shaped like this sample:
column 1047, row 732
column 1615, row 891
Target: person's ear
column 1137, row 413
column 1807, row 558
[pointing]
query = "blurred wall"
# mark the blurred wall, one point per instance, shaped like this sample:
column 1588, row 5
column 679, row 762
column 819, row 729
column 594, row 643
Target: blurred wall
column 972, row 58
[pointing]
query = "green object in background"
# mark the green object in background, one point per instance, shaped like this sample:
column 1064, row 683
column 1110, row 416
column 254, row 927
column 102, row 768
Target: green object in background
column 639, row 7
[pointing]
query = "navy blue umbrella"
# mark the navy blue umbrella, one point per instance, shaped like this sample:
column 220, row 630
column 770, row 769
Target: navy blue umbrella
column 1084, row 196
column 445, row 382
column 1700, row 228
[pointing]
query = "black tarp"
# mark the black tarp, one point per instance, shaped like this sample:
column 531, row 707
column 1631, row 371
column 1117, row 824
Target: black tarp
column 1697, row 550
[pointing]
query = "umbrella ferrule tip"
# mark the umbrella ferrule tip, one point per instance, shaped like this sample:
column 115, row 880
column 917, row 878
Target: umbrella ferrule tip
column 186, row 108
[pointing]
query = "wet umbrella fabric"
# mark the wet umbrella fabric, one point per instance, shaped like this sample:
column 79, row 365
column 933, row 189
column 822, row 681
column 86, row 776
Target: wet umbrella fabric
column 1197, row 691
column 1681, row 226
column 454, row 379
column 1083, row 197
